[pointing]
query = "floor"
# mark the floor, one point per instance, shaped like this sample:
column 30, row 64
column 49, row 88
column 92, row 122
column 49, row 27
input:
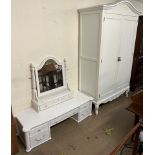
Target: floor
column 88, row 137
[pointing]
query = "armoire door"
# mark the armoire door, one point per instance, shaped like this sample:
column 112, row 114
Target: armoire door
column 110, row 44
column 125, row 56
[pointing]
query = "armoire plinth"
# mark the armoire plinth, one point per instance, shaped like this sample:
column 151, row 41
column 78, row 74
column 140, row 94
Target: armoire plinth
column 106, row 46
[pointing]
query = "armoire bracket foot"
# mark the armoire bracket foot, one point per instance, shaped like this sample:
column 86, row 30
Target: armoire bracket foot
column 96, row 109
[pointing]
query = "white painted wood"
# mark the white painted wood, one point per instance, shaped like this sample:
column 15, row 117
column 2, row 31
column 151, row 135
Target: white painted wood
column 126, row 52
column 40, row 138
column 86, row 77
column 85, row 110
column 34, row 127
column 108, row 33
column 41, row 101
column 49, row 108
column 122, row 7
column 90, row 47
column 110, row 44
column 39, row 129
column 89, row 51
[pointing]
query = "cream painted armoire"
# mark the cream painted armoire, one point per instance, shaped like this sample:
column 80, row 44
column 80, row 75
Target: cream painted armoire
column 106, row 45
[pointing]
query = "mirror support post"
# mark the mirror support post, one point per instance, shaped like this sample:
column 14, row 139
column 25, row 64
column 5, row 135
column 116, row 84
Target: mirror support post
column 33, row 84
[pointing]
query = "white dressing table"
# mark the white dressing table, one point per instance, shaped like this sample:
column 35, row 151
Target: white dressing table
column 56, row 105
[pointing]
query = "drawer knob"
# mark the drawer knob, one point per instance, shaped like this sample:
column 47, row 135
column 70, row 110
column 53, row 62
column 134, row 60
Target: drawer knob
column 38, row 139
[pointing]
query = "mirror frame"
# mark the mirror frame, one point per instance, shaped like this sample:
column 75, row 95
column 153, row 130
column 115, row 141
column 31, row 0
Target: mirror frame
column 58, row 89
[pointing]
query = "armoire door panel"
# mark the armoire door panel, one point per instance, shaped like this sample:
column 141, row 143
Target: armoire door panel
column 88, row 77
column 90, row 35
column 110, row 44
column 126, row 52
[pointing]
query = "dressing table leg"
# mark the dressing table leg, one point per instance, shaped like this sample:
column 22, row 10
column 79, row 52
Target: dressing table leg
column 27, row 142
column 28, row 149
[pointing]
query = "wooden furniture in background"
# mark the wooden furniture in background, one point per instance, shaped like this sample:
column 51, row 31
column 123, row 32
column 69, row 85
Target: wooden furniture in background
column 14, row 144
column 137, row 106
column 133, row 132
column 137, row 67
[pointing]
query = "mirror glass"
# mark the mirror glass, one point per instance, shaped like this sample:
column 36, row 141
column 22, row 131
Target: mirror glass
column 50, row 76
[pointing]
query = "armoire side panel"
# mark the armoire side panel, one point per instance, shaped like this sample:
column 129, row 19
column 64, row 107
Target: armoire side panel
column 89, row 52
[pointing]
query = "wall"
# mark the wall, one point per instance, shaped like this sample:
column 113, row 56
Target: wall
column 42, row 28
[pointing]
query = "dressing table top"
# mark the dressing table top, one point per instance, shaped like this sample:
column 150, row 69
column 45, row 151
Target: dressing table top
column 29, row 118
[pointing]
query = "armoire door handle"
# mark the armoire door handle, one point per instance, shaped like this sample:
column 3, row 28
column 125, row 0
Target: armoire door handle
column 119, row 59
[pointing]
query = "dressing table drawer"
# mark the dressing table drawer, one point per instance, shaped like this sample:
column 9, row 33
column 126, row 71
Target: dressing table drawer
column 63, row 117
column 85, row 113
column 40, row 138
column 44, row 106
column 55, row 121
column 58, row 119
column 85, row 106
column 73, row 112
column 39, row 129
